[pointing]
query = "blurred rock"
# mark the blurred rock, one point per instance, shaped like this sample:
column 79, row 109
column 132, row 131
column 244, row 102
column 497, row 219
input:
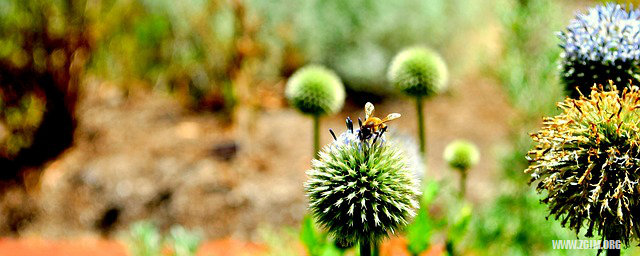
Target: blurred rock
column 225, row 150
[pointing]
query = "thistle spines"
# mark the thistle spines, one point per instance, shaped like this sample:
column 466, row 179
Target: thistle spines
column 586, row 160
column 361, row 190
column 599, row 46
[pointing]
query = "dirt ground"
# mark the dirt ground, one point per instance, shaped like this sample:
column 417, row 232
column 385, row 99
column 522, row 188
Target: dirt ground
column 144, row 156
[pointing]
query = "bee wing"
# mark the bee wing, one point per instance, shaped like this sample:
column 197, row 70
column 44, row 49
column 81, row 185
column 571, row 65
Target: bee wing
column 390, row 117
column 368, row 110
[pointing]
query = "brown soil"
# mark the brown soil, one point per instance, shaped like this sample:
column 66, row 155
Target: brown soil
column 145, row 157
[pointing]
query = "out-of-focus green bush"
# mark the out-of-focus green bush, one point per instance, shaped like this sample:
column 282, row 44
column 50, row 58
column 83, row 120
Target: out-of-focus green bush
column 43, row 48
column 145, row 239
column 515, row 223
column 359, row 38
column 529, row 65
column 185, row 48
column 18, row 123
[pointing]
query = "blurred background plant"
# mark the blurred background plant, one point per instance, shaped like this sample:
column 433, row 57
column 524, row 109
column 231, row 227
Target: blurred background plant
column 528, row 71
column 420, row 73
column 315, row 91
column 145, row 239
column 43, row 49
column 461, row 155
column 363, row 36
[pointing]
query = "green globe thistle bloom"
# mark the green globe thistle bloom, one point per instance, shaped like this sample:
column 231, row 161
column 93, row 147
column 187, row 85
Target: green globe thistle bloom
column 361, row 189
column 419, row 72
column 315, row 90
column 587, row 160
column 461, row 155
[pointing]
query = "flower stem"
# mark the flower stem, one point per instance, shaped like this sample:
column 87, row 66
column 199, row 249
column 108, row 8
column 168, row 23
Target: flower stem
column 613, row 252
column 316, row 135
column 365, row 247
column 421, row 125
column 614, row 236
column 463, row 183
column 376, row 248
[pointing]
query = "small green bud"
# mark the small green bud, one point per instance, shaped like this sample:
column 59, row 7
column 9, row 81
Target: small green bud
column 315, row 90
column 418, row 72
column 461, row 155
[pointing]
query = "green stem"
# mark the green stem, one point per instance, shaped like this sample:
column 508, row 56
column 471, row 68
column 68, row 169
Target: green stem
column 365, row 247
column 613, row 251
column 463, row 183
column 449, row 248
column 421, row 125
column 316, row 135
column 376, row 248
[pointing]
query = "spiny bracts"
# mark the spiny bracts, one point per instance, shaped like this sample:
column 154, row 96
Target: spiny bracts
column 587, row 160
column 599, row 46
column 361, row 189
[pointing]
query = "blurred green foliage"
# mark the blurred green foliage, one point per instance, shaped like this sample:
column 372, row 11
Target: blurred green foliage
column 529, row 65
column 42, row 46
column 19, row 122
column 317, row 243
column 145, row 239
column 193, row 48
column 515, row 223
column 184, row 242
column 185, row 48
column 423, row 226
column 359, row 38
column 39, row 34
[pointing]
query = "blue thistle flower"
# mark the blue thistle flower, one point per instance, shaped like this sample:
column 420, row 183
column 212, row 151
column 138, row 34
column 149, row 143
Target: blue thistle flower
column 601, row 45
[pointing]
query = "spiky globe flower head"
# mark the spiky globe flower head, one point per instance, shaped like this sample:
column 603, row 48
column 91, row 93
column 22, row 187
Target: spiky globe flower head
column 315, row 90
column 587, row 159
column 361, row 189
column 418, row 71
column 601, row 45
column 461, row 155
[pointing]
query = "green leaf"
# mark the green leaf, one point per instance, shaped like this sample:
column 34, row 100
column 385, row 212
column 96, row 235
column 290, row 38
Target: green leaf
column 308, row 235
column 419, row 232
column 461, row 223
column 329, row 249
column 429, row 193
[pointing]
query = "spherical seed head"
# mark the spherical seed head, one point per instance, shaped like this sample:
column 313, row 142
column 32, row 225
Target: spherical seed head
column 315, row 90
column 361, row 191
column 461, row 155
column 418, row 72
column 587, row 159
column 599, row 46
